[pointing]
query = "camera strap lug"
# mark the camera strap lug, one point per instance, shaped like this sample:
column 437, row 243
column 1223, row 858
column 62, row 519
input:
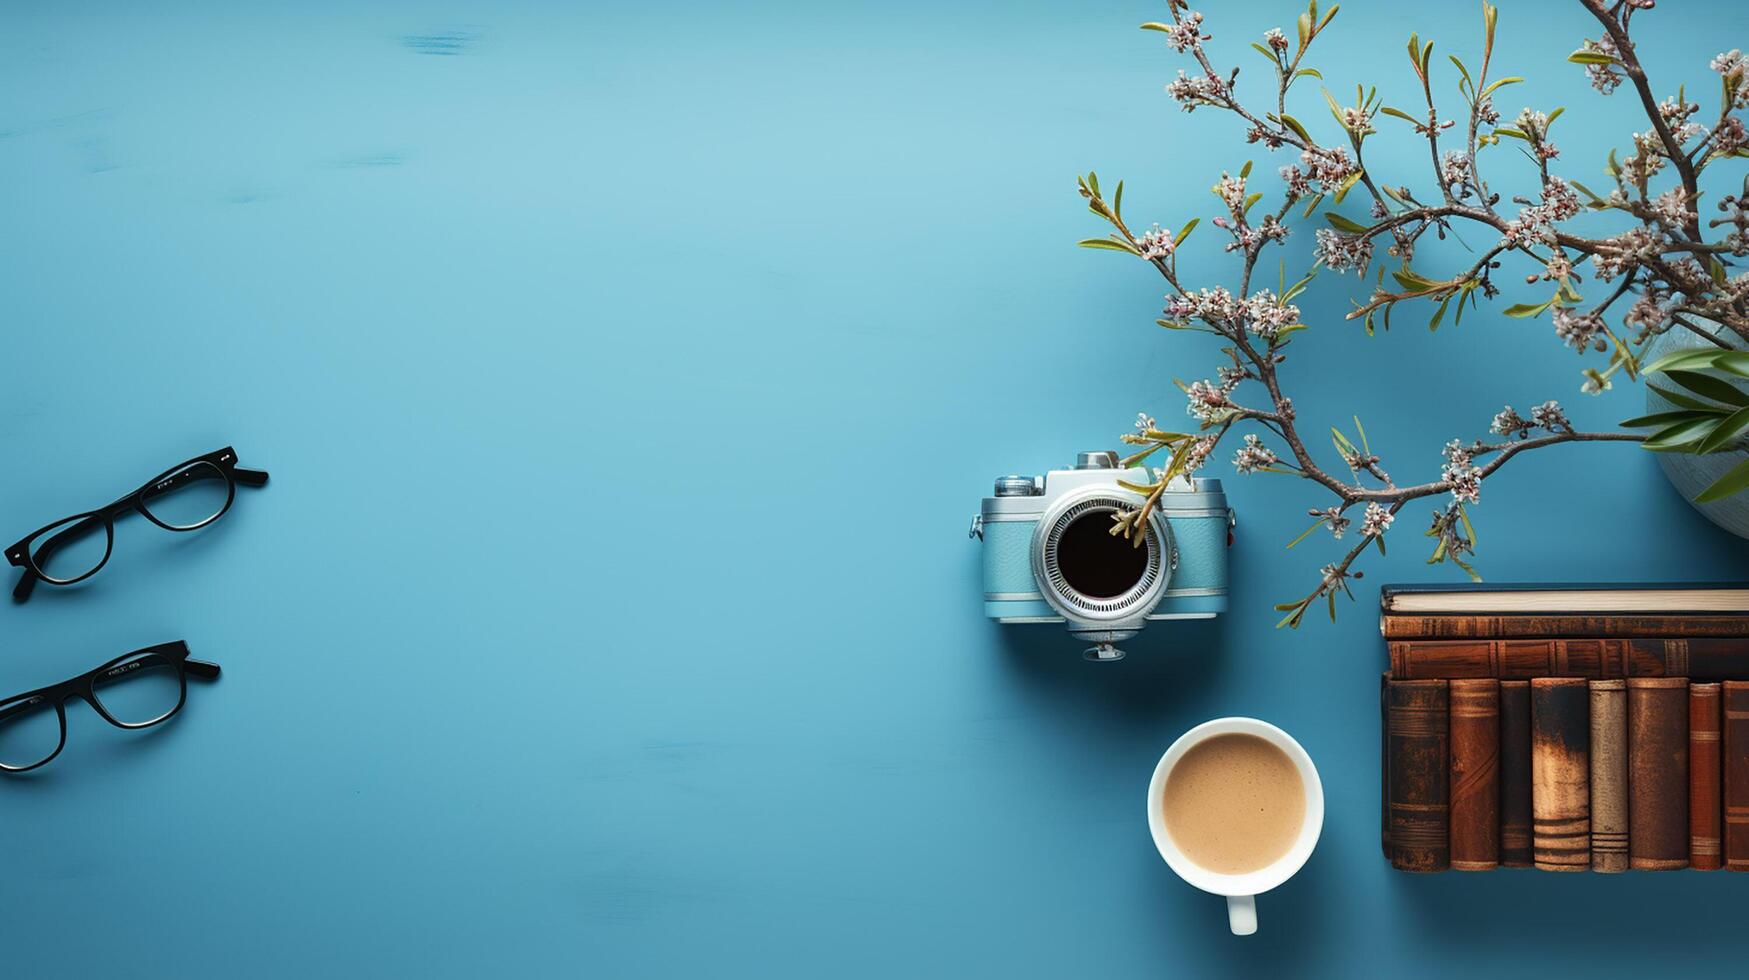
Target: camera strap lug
column 977, row 528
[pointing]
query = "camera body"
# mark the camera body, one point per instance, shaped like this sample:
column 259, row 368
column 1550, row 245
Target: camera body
column 1049, row 556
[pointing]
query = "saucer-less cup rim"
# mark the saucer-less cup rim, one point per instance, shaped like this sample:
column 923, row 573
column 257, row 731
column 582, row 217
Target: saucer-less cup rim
column 1240, row 888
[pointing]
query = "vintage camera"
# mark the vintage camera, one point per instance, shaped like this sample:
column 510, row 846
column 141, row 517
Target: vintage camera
column 1050, row 556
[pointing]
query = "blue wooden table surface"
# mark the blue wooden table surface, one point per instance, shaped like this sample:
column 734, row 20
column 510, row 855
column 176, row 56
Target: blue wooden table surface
column 628, row 374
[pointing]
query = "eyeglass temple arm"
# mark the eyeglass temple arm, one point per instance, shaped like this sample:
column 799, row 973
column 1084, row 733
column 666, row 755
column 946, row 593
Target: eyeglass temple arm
column 204, row 669
column 249, row 477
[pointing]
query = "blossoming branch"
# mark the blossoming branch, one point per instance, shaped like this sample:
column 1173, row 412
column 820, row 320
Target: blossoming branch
column 1665, row 269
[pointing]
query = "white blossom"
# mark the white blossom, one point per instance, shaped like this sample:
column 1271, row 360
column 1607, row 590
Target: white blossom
column 1156, row 243
column 1187, row 33
column 1550, row 416
column 1376, row 521
column 1253, row 455
column 1342, row 252
column 1464, row 476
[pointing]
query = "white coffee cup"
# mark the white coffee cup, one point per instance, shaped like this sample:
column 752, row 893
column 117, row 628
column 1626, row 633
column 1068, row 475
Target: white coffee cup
column 1241, row 890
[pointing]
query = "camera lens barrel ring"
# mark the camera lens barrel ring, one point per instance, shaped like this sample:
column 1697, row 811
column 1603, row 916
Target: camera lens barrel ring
column 1128, row 589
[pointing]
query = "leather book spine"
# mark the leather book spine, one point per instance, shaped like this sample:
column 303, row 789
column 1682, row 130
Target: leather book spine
column 1515, row 774
column 1657, row 773
column 1609, row 775
column 1560, row 773
column 1592, row 659
column 1420, row 811
column 1734, row 751
column 1705, row 852
column 1385, row 763
column 1475, row 774
column 1464, row 626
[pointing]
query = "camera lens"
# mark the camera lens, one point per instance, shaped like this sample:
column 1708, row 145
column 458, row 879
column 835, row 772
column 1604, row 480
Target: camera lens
column 1097, row 563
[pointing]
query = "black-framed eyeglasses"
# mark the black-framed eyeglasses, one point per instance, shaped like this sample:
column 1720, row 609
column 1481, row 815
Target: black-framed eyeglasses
column 135, row 690
column 184, row 497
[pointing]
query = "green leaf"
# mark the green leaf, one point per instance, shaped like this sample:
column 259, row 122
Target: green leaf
column 1348, row 184
column 1107, row 243
column 1680, row 435
column 1304, row 25
column 1297, row 288
column 1583, row 57
column 1157, row 26
column 1343, row 224
column 1308, row 71
column 1460, row 67
column 1734, row 481
column 1184, row 232
column 1678, row 398
column 1303, row 534
column 1400, row 114
column 1689, row 360
column 1708, row 386
column 1666, row 418
column 1734, row 362
column 1266, row 52
column 1726, row 431
column 1438, row 314
column 1502, row 83
column 1117, row 200
column 1294, row 124
column 1509, row 131
column 1412, row 281
column 1362, row 431
column 1556, row 114
column 1523, row 310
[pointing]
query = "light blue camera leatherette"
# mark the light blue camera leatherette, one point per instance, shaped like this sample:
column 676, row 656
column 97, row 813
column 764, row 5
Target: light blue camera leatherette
column 1202, row 553
column 1008, row 557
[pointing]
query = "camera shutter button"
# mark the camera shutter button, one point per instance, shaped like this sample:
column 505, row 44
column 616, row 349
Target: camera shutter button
column 1016, row 486
column 1102, row 460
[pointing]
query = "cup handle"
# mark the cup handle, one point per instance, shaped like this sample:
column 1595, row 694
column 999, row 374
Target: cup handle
column 1242, row 914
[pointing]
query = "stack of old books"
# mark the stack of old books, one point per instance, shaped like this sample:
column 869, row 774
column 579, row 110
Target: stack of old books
column 1568, row 728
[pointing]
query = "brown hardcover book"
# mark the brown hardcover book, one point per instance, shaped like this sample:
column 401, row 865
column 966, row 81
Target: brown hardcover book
column 1609, row 775
column 1734, row 746
column 1420, row 825
column 1705, row 659
column 1560, row 773
column 1604, row 626
column 1385, row 764
column 1704, row 775
column 1475, row 774
column 1515, row 774
column 1657, row 773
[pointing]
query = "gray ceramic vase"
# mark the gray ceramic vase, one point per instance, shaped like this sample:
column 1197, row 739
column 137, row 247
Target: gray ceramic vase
column 1691, row 474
